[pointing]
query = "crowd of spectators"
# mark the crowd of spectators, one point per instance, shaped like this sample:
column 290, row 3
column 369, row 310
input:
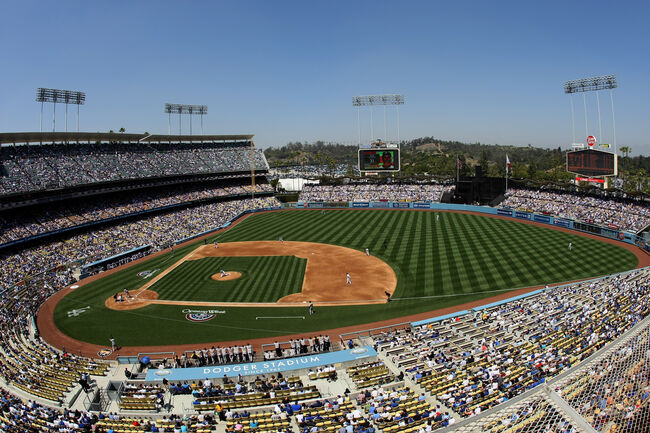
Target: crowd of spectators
column 613, row 394
column 403, row 407
column 39, row 167
column 374, row 192
column 21, row 225
column 313, row 171
column 623, row 214
column 20, row 416
column 159, row 231
column 478, row 361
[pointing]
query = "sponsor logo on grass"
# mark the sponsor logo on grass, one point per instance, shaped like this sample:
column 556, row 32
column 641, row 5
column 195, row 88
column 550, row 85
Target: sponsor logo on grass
column 201, row 315
column 146, row 274
column 78, row 311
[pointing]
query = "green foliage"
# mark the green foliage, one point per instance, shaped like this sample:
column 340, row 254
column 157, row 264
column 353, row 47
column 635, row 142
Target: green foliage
column 429, row 156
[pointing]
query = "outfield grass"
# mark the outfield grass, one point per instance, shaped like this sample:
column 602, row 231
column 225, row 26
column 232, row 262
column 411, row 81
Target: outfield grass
column 457, row 259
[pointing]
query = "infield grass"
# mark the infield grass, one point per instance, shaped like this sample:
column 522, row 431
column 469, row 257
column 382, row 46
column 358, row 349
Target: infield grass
column 455, row 259
column 191, row 281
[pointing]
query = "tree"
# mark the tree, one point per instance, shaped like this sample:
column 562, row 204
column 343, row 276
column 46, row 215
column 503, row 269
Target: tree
column 626, row 150
column 110, row 131
column 484, row 162
column 532, row 170
column 122, row 130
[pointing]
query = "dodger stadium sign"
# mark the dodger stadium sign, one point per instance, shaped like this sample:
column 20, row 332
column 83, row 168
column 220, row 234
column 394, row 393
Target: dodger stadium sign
column 259, row 368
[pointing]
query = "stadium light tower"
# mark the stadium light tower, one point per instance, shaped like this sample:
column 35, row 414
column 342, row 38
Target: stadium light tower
column 592, row 84
column 372, row 100
column 55, row 95
column 181, row 109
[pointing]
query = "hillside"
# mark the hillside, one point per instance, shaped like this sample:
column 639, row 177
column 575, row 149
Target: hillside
column 434, row 157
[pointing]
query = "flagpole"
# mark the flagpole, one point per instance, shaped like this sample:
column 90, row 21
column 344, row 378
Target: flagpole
column 506, row 174
column 457, row 168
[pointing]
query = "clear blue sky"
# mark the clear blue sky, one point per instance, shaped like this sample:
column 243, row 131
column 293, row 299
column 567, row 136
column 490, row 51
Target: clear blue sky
column 286, row 71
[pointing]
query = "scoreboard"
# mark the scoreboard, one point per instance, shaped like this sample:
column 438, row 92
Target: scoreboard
column 592, row 163
column 379, row 160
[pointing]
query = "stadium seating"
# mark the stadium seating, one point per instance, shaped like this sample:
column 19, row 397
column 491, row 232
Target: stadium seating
column 374, row 192
column 54, row 166
column 462, row 366
column 623, row 214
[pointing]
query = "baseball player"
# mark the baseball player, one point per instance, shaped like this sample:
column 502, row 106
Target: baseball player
column 367, row 252
column 347, row 278
column 570, row 246
column 311, row 308
column 223, row 273
column 216, row 244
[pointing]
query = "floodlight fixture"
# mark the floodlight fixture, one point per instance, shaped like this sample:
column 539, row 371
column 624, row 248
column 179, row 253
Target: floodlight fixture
column 592, row 84
column 60, row 96
column 372, row 100
column 181, row 109
column 603, row 82
column 359, row 101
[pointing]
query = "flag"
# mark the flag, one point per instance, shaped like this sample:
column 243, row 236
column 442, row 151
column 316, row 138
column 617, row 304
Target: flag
column 507, row 164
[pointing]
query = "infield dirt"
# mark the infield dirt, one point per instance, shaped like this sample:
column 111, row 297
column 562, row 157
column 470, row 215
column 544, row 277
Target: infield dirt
column 324, row 282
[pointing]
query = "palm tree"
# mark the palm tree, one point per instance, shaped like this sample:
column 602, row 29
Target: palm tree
column 122, row 130
column 626, row 150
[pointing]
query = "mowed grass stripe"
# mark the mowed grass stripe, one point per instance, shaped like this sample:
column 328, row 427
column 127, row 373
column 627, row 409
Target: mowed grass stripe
column 528, row 267
column 466, row 257
column 437, row 248
column 379, row 232
column 405, row 225
column 255, row 275
column 417, row 237
column 475, row 258
column 478, row 256
column 496, row 258
column 452, row 284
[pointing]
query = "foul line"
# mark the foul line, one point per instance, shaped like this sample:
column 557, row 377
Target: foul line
column 165, row 272
column 280, row 317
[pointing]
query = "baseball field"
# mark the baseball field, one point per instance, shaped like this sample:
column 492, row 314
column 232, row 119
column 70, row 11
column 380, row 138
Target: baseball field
column 426, row 260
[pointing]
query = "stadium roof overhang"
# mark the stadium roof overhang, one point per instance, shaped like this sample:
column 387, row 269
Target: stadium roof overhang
column 106, row 137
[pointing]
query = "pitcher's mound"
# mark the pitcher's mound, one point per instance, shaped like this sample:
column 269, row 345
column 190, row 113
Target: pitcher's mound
column 231, row 275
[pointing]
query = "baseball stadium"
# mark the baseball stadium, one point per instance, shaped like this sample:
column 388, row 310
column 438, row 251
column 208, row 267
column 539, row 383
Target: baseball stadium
column 156, row 283
column 398, row 217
